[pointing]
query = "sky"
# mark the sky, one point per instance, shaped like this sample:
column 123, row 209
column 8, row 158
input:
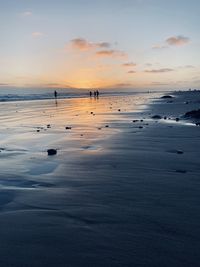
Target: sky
column 119, row 44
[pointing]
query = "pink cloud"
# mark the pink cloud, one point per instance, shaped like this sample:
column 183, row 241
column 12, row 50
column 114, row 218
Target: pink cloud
column 164, row 70
column 177, row 40
column 83, row 44
column 37, row 34
column 160, row 47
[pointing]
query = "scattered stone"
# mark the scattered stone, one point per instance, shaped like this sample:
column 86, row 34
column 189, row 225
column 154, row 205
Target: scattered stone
column 175, row 151
column 181, row 171
column 165, row 118
column 140, row 127
column 38, row 131
column 177, row 119
column 51, row 152
column 119, row 109
column 167, row 96
column 48, row 126
column 107, row 126
column 135, row 120
column 156, row 117
column 194, row 114
column 179, row 152
column 68, row 128
column 141, row 120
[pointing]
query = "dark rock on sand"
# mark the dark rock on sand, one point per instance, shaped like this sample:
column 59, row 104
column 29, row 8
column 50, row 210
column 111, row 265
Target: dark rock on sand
column 135, row 120
column 107, row 126
column 194, row 114
column 156, row 117
column 175, row 151
column 68, row 128
column 181, row 171
column 51, row 152
column 179, row 152
column 167, row 96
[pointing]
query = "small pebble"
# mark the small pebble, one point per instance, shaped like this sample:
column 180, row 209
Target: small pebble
column 51, row 152
column 179, row 152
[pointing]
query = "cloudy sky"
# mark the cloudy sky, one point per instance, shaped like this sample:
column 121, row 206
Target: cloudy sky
column 141, row 44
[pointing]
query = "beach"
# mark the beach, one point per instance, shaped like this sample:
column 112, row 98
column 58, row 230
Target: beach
column 122, row 190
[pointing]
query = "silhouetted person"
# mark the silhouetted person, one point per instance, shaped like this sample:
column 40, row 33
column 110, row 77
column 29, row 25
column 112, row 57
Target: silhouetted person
column 55, row 94
column 90, row 93
column 97, row 93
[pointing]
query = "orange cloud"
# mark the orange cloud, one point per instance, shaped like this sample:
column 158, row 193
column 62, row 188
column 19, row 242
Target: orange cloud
column 121, row 85
column 129, row 64
column 110, row 53
column 131, row 72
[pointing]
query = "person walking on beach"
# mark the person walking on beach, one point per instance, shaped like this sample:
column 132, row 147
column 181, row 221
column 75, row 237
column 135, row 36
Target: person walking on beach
column 97, row 93
column 55, row 94
column 90, row 93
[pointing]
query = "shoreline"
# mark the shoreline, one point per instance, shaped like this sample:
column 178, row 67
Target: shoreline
column 123, row 195
column 65, row 96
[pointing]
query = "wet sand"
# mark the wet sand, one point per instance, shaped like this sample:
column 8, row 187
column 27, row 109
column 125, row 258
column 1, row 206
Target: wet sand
column 122, row 195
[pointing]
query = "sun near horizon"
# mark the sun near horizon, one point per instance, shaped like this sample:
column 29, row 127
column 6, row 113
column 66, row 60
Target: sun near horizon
column 106, row 44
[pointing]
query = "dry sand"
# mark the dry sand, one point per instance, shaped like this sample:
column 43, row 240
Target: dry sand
column 123, row 195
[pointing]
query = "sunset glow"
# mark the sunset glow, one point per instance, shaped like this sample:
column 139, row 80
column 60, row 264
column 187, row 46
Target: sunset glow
column 115, row 44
